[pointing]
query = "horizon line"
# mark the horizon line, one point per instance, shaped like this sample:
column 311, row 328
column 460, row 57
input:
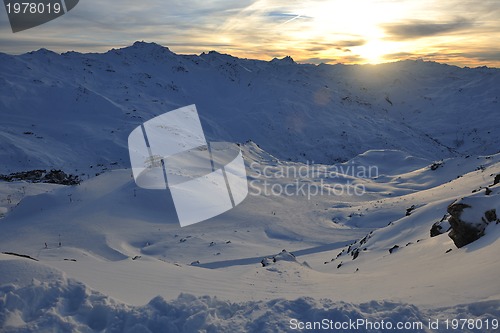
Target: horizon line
column 332, row 62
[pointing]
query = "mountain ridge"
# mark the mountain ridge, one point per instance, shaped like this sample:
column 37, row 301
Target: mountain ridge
column 324, row 113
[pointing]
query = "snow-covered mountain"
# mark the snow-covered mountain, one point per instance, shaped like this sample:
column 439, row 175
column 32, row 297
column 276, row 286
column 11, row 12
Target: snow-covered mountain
column 106, row 255
column 52, row 103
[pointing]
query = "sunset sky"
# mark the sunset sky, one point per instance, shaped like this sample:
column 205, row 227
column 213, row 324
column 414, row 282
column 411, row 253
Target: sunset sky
column 460, row 32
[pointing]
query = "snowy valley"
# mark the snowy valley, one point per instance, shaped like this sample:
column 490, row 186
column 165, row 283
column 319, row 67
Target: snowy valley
column 394, row 155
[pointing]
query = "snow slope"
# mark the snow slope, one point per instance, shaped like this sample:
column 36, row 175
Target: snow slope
column 424, row 131
column 131, row 249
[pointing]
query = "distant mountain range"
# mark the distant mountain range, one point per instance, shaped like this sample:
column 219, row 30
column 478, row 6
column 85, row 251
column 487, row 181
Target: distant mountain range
column 74, row 111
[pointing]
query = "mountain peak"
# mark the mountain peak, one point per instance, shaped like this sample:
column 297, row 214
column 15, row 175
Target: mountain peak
column 43, row 51
column 147, row 47
column 284, row 61
column 217, row 55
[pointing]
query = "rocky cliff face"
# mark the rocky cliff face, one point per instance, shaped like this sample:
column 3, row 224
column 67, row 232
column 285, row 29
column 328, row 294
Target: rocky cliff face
column 470, row 216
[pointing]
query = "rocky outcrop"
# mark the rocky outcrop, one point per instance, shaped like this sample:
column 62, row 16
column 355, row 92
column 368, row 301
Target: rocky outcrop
column 42, row 176
column 441, row 227
column 496, row 180
column 470, row 216
column 464, row 231
column 393, row 249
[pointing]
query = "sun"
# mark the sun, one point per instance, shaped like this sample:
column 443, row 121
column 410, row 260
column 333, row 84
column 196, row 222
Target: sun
column 358, row 22
column 373, row 51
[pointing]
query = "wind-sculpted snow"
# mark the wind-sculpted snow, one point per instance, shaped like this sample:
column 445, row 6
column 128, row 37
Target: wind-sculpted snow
column 64, row 305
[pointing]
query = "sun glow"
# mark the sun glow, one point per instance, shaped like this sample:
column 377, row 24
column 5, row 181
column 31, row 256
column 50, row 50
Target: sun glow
column 372, row 51
column 310, row 31
column 350, row 28
column 356, row 31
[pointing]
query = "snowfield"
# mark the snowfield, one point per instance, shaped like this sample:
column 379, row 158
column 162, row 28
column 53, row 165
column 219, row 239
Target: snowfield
column 349, row 168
